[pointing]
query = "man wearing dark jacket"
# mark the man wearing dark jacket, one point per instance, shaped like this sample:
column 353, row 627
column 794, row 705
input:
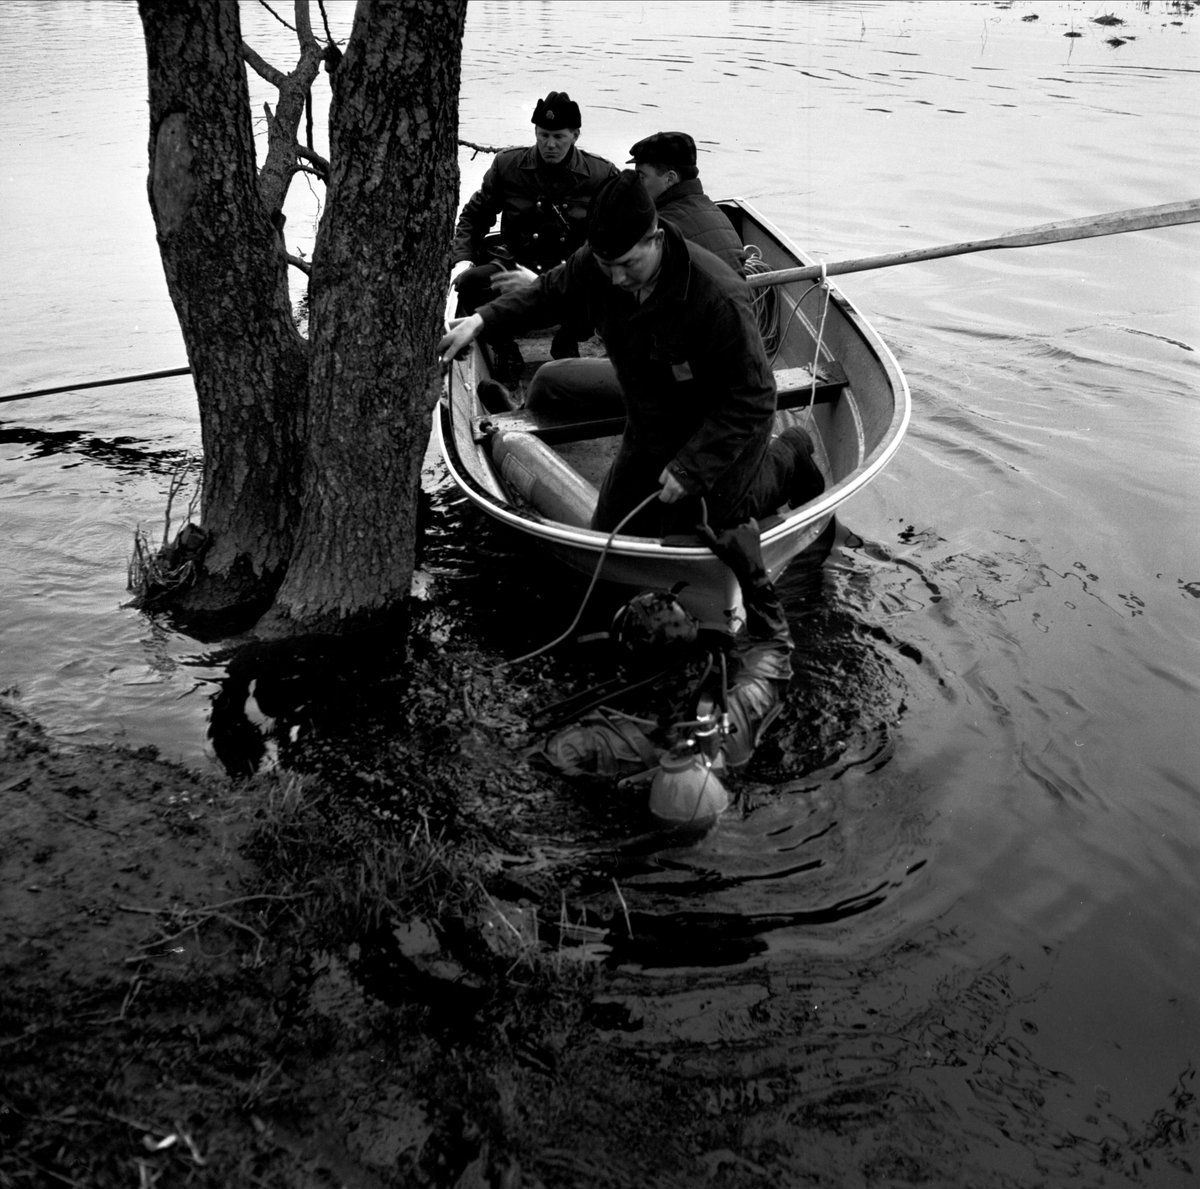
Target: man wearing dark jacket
column 542, row 196
column 666, row 163
column 698, row 392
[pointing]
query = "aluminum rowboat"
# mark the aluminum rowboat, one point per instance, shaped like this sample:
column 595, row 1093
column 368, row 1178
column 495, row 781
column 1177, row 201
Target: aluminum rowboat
column 857, row 411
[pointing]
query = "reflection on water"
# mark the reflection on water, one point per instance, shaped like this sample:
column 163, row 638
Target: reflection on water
column 120, row 454
column 939, row 1082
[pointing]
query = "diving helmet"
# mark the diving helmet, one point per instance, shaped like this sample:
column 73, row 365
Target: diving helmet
column 653, row 619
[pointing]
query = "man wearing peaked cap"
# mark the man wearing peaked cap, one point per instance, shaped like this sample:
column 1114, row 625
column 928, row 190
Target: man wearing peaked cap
column 666, row 163
column 542, row 196
column 697, row 390
column 556, row 112
column 622, row 214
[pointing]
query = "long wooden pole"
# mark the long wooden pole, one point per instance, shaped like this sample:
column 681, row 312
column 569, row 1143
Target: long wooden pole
column 1046, row 233
column 1168, row 215
column 171, row 371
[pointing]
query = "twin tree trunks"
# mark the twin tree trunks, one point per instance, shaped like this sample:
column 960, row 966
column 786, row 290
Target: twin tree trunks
column 312, row 447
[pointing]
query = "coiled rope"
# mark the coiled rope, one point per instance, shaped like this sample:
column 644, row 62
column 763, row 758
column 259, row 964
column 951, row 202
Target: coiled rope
column 764, row 303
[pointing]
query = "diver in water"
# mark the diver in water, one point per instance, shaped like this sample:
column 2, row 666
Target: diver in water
column 718, row 726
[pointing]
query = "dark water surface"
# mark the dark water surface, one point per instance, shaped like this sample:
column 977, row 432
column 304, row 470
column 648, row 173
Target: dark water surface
column 958, row 906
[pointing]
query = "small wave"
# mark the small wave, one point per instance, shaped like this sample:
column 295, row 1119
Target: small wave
column 1162, row 338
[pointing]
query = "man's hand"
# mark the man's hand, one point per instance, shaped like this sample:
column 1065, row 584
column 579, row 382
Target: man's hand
column 672, row 489
column 517, row 278
column 457, row 271
column 462, row 333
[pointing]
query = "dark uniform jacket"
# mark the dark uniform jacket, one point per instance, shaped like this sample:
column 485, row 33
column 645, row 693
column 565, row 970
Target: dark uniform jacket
column 700, row 219
column 543, row 209
column 698, row 390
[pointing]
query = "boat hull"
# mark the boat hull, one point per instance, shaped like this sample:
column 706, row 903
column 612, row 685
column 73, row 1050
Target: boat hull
column 857, row 431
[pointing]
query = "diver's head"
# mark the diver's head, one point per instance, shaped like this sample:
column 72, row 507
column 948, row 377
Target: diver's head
column 654, row 624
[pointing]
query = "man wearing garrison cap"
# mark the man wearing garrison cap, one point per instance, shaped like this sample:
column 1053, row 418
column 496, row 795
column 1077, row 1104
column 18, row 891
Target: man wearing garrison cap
column 698, row 392
column 542, row 195
column 666, row 163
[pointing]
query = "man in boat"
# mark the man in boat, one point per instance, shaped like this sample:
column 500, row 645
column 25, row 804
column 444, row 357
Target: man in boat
column 666, row 163
column 688, row 743
column 696, row 386
column 542, row 196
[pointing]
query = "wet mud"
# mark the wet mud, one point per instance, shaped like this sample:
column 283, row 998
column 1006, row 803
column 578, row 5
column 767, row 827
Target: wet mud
column 391, row 946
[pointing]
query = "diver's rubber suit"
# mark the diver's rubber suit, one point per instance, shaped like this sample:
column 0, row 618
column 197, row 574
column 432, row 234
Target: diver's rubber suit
column 607, row 743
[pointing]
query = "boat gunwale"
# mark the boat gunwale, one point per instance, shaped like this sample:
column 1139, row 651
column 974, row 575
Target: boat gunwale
column 595, row 541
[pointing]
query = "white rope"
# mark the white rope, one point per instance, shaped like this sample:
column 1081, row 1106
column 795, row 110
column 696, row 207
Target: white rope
column 595, row 574
column 816, row 287
column 588, row 593
column 823, row 283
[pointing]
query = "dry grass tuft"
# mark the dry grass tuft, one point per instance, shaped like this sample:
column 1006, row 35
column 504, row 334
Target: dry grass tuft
column 348, row 875
column 154, row 574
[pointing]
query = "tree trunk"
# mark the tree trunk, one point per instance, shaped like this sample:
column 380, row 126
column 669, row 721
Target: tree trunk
column 227, row 278
column 376, row 303
column 312, row 450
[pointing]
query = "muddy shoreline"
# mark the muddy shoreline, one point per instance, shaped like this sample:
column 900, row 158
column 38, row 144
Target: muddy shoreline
column 300, row 979
column 360, row 970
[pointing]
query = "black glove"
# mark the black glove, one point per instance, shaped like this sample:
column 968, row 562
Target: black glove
column 740, row 549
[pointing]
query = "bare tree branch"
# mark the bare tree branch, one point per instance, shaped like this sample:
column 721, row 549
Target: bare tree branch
column 277, row 16
column 282, row 129
column 284, row 153
column 304, row 31
column 262, row 68
column 325, row 21
column 322, row 166
column 480, row 148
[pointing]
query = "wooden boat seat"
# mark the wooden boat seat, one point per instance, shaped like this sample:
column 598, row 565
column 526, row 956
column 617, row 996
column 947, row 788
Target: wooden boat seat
column 793, row 388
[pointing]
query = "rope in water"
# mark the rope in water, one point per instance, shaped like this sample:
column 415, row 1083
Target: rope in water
column 821, row 286
column 595, row 573
column 591, row 586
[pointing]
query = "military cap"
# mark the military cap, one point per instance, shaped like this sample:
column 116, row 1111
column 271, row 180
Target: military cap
column 622, row 212
column 558, row 110
column 675, row 150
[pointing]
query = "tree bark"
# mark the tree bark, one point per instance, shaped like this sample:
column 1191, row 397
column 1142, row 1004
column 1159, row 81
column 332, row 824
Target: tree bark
column 312, row 450
column 294, row 89
column 376, row 303
column 227, row 278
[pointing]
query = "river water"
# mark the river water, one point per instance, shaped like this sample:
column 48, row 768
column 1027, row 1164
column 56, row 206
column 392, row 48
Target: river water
column 956, row 924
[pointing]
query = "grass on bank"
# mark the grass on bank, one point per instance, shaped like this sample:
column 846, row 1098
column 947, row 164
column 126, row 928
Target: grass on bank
column 357, row 967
